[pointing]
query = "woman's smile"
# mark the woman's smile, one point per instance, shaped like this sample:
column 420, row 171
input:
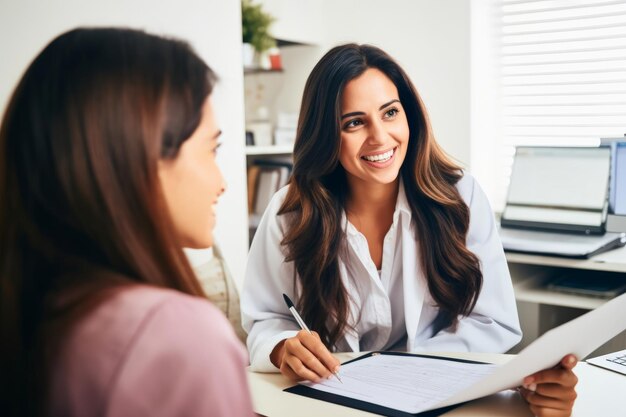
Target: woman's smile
column 380, row 159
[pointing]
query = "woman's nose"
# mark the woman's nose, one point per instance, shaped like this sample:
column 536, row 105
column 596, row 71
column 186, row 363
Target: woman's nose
column 223, row 184
column 377, row 133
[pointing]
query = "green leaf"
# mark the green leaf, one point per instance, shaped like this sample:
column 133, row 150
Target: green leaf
column 255, row 24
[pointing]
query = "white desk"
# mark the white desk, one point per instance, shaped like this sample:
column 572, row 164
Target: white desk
column 600, row 394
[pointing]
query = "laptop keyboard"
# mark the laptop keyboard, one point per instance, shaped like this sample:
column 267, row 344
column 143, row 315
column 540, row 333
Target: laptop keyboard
column 615, row 361
column 620, row 359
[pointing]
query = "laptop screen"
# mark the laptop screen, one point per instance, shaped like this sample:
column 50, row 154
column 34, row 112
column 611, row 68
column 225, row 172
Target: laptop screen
column 559, row 189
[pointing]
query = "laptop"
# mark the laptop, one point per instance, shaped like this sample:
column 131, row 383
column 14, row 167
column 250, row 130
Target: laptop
column 615, row 361
column 557, row 202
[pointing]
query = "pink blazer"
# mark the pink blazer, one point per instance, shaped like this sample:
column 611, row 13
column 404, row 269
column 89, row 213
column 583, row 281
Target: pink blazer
column 151, row 352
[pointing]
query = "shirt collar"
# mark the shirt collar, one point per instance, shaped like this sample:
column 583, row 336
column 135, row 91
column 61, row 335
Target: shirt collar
column 402, row 205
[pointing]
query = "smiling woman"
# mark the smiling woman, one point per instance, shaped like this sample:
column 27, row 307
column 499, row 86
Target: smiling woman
column 192, row 182
column 359, row 104
column 384, row 242
column 374, row 131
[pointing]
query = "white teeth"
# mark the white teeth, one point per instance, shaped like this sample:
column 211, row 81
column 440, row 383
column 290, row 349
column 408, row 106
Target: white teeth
column 383, row 157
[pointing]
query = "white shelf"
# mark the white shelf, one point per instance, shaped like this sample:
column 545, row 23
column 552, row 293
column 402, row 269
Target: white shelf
column 269, row 150
column 532, row 290
column 258, row 71
column 613, row 261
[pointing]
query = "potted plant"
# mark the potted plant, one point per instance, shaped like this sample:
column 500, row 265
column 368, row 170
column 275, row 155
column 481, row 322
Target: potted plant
column 255, row 25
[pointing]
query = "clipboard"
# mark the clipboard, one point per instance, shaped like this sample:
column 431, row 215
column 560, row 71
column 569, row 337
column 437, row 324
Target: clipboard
column 370, row 407
column 598, row 326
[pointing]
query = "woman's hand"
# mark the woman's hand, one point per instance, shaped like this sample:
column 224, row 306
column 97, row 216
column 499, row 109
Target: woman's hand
column 551, row 392
column 304, row 357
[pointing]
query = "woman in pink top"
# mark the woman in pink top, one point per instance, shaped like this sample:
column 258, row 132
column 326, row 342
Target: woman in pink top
column 107, row 169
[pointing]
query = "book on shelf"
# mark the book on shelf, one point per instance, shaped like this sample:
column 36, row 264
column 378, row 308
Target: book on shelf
column 267, row 185
column 265, row 178
column 253, row 176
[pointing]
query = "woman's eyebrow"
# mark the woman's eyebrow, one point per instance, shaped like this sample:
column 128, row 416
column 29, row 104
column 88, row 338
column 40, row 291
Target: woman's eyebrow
column 395, row 100
column 354, row 113
column 360, row 113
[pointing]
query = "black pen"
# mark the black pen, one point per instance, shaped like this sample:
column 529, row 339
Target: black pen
column 301, row 322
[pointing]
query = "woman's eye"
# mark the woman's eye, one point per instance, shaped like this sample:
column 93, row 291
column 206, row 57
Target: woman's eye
column 352, row 123
column 216, row 147
column 391, row 113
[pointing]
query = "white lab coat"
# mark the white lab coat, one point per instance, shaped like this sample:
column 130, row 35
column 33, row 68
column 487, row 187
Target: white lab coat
column 396, row 303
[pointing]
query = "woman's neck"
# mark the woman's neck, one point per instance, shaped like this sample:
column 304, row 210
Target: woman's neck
column 370, row 209
column 366, row 199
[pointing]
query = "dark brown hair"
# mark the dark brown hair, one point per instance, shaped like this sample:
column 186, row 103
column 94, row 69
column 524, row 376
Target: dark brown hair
column 315, row 201
column 81, row 208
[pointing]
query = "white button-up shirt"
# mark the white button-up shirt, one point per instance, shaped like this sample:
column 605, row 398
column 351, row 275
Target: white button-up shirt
column 393, row 310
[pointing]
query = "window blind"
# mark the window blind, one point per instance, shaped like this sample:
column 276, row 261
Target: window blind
column 562, row 70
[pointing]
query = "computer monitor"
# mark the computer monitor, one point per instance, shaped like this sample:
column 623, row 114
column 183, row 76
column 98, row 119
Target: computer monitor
column 558, row 188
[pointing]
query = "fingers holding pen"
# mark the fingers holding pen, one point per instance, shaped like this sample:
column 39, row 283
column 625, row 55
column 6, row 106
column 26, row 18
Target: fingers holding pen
column 302, row 361
column 305, row 354
column 294, row 369
column 314, row 344
column 306, row 357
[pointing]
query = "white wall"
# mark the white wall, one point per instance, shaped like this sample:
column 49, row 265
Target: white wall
column 212, row 27
column 430, row 40
column 298, row 20
column 484, row 98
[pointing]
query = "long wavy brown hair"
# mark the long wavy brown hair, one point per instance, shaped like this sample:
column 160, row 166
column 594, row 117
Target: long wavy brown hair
column 82, row 213
column 317, row 194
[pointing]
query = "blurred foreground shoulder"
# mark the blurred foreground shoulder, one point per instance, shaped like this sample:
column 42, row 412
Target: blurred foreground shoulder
column 186, row 360
column 160, row 353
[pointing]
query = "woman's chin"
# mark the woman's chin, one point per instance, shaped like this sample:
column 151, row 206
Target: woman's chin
column 199, row 242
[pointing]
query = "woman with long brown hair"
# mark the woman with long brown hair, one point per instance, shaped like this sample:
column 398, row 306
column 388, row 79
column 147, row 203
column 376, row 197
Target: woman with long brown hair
column 383, row 241
column 107, row 170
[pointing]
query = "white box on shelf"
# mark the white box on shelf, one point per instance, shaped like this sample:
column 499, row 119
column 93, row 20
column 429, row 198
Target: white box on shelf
column 261, row 132
column 286, row 120
column 284, row 136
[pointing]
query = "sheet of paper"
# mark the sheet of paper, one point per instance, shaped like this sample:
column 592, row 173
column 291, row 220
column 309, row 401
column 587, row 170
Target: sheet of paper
column 407, row 383
column 414, row 384
column 580, row 336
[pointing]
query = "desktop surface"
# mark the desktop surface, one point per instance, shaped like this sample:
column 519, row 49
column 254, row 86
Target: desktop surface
column 599, row 394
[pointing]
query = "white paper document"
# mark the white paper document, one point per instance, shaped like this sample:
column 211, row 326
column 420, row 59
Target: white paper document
column 406, row 383
column 414, row 384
